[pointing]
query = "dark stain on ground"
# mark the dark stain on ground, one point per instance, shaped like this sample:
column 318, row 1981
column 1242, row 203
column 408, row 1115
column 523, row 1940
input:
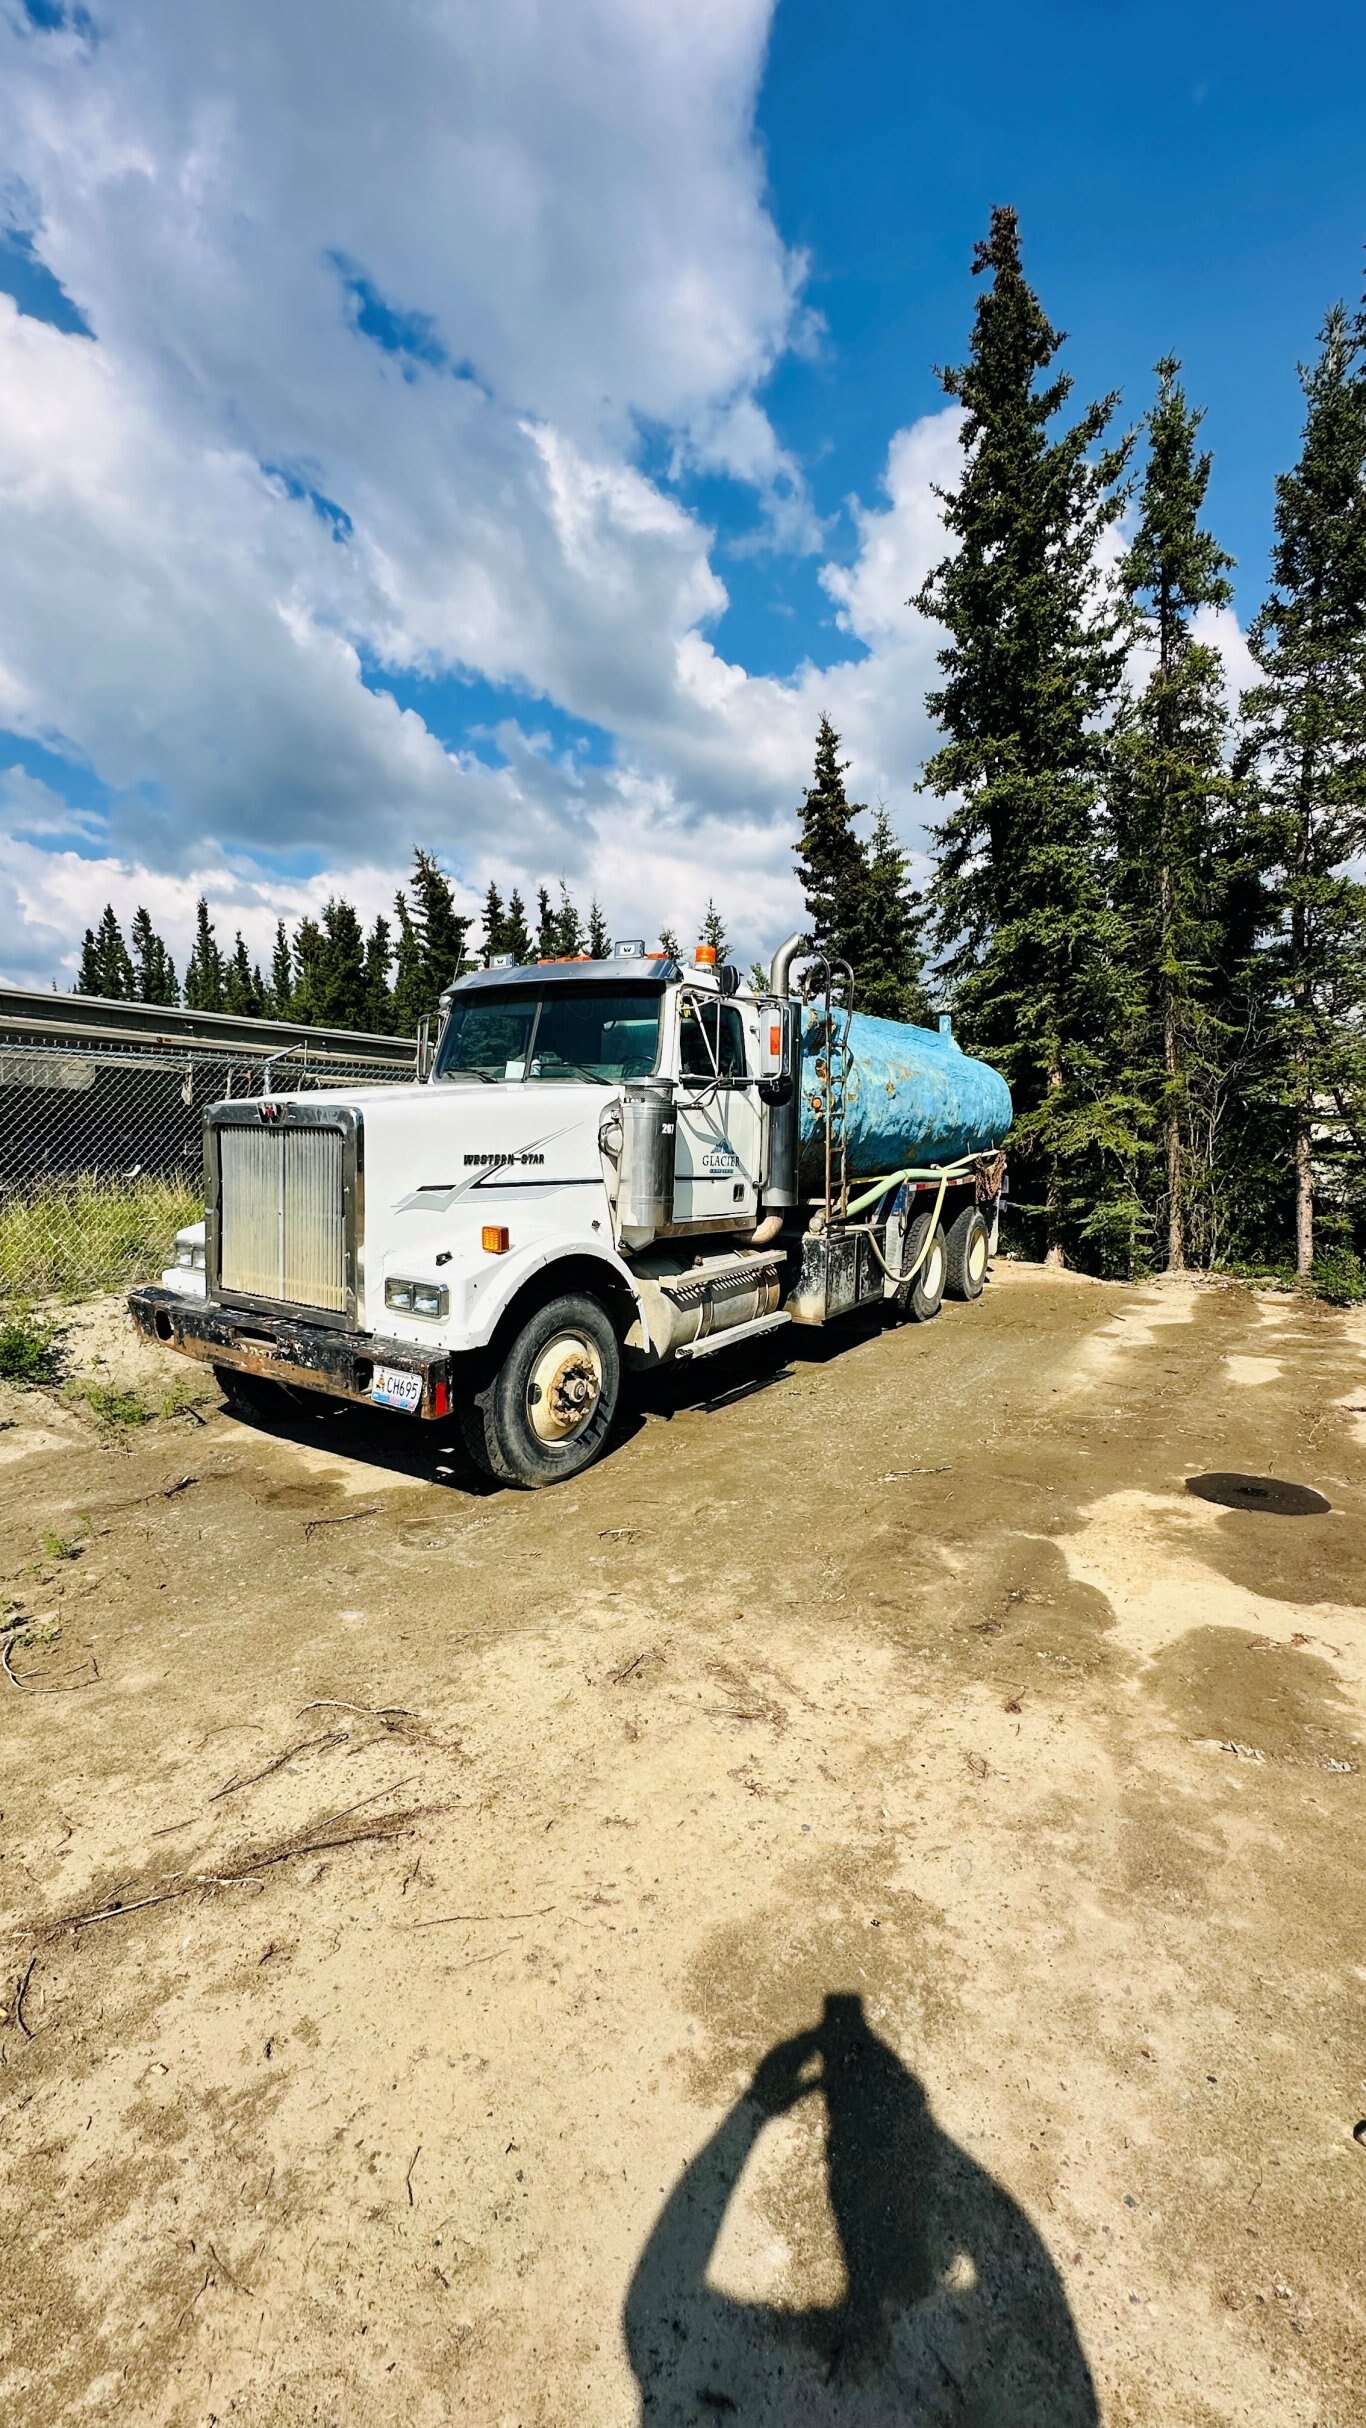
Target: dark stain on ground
column 1262, row 1697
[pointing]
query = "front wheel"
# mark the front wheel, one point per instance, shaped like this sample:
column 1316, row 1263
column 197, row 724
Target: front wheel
column 546, row 1411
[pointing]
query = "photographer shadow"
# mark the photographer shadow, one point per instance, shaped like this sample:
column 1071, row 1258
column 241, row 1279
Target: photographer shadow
column 952, row 2312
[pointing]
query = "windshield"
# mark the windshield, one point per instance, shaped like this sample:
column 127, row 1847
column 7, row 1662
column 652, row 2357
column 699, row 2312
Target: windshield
column 569, row 1032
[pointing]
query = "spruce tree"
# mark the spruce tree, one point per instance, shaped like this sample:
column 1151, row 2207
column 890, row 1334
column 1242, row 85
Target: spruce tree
column 516, row 933
column 204, row 971
column 410, row 991
column 1030, row 669
column 307, row 989
column 599, row 941
column 243, row 991
column 889, row 980
column 154, row 978
column 1306, row 748
column 440, row 927
column 568, row 928
column 669, row 945
column 495, row 923
column 714, row 932
column 431, row 945
column 106, row 968
column 340, row 997
column 88, row 971
column 379, row 1001
column 1174, row 811
column 281, row 991
column 831, row 862
column 546, row 928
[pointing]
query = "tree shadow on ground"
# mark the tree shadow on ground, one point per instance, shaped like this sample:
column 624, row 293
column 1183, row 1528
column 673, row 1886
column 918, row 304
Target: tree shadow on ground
column 952, row 2313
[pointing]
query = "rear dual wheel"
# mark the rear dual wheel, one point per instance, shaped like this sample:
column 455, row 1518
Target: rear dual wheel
column 546, row 1410
column 924, row 1261
column 968, row 1253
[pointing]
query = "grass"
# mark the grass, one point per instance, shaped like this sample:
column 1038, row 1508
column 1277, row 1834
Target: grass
column 28, row 1348
column 72, row 1238
column 117, row 1410
column 58, row 1547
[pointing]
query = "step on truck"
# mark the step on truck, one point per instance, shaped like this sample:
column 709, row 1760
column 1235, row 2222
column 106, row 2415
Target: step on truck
column 608, row 1164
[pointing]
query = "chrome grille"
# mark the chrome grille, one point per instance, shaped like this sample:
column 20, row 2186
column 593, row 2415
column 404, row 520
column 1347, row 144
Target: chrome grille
column 282, row 1215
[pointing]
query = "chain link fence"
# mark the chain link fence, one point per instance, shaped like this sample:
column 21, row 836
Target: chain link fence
column 101, row 1126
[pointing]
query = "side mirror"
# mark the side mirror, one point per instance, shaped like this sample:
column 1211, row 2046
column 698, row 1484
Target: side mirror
column 778, row 1018
column 425, row 1053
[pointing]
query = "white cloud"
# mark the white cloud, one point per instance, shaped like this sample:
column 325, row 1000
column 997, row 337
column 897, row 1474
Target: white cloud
column 224, row 507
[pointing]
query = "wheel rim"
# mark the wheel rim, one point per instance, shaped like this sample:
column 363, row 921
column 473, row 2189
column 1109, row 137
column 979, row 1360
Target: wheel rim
column 564, row 1388
column 932, row 1279
column 977, row 1255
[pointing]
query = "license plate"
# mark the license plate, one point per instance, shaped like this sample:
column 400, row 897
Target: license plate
column 390, row 1387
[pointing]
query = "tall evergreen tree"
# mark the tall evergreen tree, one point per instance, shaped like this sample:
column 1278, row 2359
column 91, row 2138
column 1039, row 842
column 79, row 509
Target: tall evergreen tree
column 204, row 971
column 568, row 927
column 411, row 1004
column 546, row 926
column 106, row 968
column 516, row 933
column 714, row 932
column 831, row 861
column 340, row 986
column 495, row 923
column 379, row 1001
column 431, row 945
column 890, row 979
column 1306, row 745
column 154, row 978
column 1030, row 669
column 308, row 981
column 281, row 989
column 441, row 928
column 599, row 941
column 1173, row 804
column 243, row 991
column 669, row 945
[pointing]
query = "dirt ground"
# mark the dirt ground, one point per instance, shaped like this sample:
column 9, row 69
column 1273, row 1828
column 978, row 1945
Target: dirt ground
column 851, row 1913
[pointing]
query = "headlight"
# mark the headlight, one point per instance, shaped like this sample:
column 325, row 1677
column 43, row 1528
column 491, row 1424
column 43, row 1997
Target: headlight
column 189, row 1255
column 429, row 1298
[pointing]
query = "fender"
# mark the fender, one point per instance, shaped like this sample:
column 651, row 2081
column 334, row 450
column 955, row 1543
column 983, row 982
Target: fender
column 492, row 1285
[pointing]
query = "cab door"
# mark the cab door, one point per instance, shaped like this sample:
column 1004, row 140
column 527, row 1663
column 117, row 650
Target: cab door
column 719, row 1137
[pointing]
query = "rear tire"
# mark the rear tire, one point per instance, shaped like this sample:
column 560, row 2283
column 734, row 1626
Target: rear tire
column 922, row 1297
column 969, row 1254
column 546, row 1411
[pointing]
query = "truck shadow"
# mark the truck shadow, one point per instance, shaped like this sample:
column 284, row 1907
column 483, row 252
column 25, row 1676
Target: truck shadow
column 952, row 2309
column 435, row 1453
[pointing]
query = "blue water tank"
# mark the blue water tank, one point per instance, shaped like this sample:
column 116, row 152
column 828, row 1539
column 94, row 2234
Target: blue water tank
column 912, row 1097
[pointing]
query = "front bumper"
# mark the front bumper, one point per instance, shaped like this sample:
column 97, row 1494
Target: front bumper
column 283, row 1349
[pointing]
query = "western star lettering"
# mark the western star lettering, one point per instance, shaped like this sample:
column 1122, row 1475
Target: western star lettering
column 490, row 1160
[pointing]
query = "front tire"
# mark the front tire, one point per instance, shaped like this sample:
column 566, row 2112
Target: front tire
column 969, row 1254
column 546, row 1411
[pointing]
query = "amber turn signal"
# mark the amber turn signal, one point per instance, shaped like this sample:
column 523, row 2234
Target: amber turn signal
column 495, row 1238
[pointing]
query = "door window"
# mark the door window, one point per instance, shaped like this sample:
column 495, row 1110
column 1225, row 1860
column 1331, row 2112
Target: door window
column 711, row 1040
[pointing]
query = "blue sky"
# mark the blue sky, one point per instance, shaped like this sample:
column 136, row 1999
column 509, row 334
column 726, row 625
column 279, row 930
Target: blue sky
column 512, row 437
column 1189, row 179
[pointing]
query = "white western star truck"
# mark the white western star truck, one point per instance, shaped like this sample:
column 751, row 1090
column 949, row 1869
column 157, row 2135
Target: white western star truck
column 608, row 1162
